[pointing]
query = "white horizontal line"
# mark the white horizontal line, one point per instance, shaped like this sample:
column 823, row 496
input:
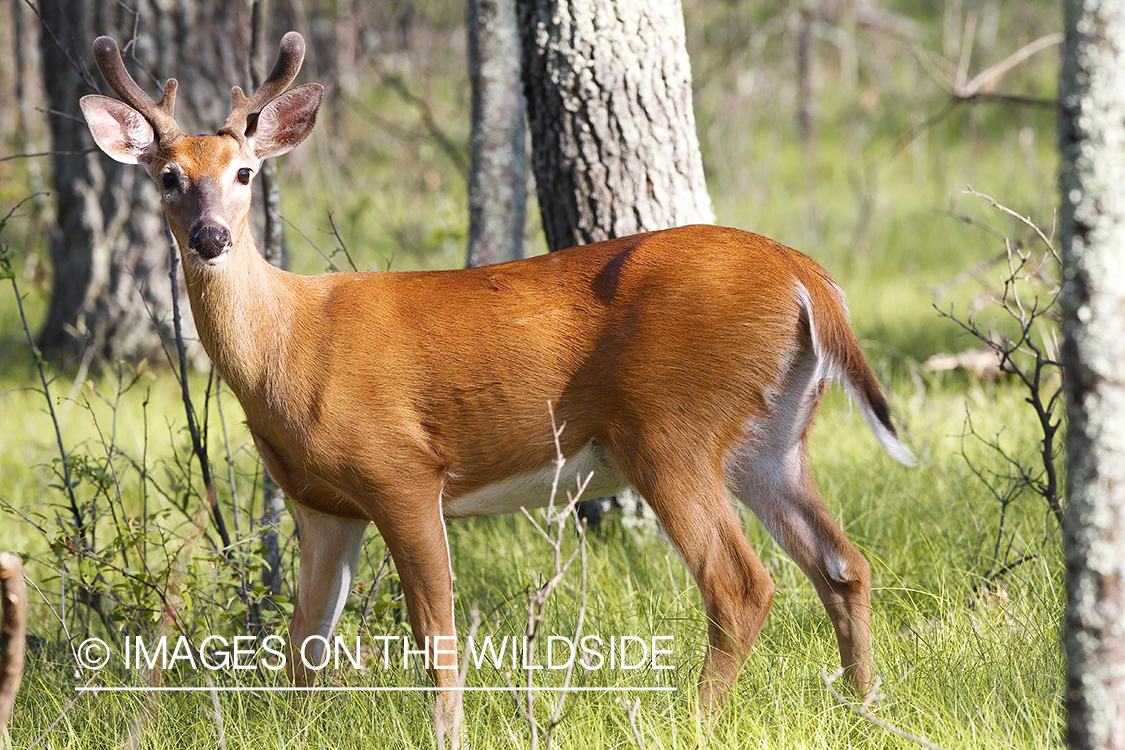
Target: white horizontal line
column 391, row 689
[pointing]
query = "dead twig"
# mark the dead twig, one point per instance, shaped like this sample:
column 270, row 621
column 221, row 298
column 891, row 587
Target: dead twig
column 552, row 530
column 978, row 89
column 1026, row 349
column 864, row 712
column 70, row 704
column 340, row 240
column 990, row 75
column 631, row 708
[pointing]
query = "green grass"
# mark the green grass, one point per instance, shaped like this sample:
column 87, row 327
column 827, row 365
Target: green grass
column 985, row 675
column 963, row 664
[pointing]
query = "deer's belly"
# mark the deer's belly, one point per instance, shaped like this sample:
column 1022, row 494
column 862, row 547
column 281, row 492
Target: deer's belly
column 533, row 489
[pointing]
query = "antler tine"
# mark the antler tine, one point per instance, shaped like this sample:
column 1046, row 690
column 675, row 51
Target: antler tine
column 290, row 56
column 160, row 115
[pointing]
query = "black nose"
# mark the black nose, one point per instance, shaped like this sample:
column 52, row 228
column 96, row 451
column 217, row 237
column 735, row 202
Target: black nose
column 208, row 241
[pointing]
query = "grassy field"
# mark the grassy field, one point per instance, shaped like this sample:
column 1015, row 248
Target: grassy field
column 962, row 666
column 965, row 661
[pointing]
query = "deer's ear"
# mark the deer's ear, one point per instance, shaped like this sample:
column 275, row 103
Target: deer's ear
column 119, row 130
column 286, row 121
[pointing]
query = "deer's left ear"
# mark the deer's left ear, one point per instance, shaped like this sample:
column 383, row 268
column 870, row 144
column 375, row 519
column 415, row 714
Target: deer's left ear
column 286, row 121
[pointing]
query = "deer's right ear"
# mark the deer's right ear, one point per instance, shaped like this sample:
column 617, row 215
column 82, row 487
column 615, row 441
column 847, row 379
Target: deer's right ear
column 119, row 130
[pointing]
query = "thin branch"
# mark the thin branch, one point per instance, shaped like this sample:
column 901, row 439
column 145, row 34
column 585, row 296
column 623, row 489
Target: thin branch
column 197, row 446
column 631, row 708
column 340, row 240
column 1033, row 363
column 75, row 61
column 67, row 707
column 452, row 149
column 13, row 157
column 969, row 92
column 253, row 614
column 864, row 713
column 995, row 72
column 1023, row 219
column 984, row 97
column 552, row 530
column 327, row 258
column 5, row 266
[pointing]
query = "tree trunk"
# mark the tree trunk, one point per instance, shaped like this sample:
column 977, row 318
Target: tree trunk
column 274, row 251
column 806, row 72
column 1092, row 228
column 498, row 143
column 614, row 148
column 109, row 251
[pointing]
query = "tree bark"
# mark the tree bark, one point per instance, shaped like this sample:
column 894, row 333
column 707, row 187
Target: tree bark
column 109, row 253
column 498, row 141
column 614, row 148
column 1092, row 230
column 806, row 72
column 275, row 252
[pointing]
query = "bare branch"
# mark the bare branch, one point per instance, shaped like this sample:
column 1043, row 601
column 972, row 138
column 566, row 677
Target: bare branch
column 552, row 529
column 864, row 712
column 1024, row 219
column 631, row 708
column 70, row 704
column 965, row 91
column 993, row 73
column 1029, row 353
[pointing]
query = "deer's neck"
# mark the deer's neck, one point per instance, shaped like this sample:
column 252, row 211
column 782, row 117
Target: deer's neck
column 242, row 307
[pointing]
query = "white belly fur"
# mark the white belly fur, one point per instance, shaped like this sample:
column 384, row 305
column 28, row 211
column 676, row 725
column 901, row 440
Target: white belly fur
column 533, row 489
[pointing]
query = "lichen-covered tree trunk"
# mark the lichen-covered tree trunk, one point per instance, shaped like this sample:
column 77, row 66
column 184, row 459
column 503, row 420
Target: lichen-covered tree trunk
column 498, row 174
column 1092, row 230
column 109, row 253
column 614, row 148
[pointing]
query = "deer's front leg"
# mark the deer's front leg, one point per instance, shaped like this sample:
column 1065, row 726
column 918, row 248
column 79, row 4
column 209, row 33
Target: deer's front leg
column 330, row 548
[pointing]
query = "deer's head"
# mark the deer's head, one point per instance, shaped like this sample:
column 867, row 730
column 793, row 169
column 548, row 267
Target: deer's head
column 204, row 180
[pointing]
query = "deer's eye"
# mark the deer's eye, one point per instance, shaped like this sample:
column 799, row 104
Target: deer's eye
column 168, row 180
column 244, row 175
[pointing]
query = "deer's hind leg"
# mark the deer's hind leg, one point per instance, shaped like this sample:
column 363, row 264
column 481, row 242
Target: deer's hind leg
column 770, row 474
column 695, row 508
column 797, row 518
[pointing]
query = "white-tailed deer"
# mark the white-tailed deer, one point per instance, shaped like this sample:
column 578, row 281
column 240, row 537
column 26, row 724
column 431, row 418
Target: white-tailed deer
column 687, row 363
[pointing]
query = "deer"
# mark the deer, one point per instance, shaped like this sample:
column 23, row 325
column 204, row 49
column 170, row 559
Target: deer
column 687, row 363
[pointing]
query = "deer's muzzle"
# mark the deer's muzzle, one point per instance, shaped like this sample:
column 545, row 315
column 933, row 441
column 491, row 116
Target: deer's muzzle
column 209, row 241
